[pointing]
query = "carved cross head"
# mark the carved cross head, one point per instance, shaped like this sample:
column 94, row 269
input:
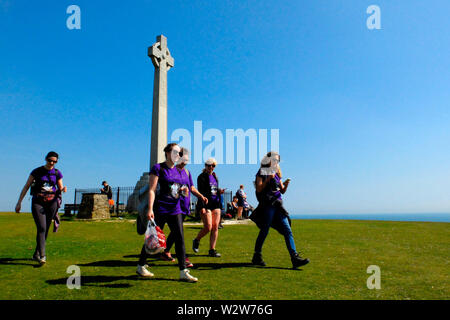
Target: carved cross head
column 160, row 54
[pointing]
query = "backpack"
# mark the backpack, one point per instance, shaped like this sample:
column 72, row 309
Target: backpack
column 258, row 194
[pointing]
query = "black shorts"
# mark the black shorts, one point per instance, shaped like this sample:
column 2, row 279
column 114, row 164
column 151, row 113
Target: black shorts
column 212, row 205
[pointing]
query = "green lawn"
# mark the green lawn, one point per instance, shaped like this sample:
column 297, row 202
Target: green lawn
column 413, row 257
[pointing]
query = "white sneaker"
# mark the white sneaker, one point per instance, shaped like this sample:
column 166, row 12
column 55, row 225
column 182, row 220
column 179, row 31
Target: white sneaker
column 185, row 276
column 143, row 272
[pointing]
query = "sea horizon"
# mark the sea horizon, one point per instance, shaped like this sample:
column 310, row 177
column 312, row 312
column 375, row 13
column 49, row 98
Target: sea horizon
column 424, row 217
column 419, row 217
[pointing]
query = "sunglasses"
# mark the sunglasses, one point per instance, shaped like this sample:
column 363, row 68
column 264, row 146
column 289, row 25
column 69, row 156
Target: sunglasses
column 177, row 153
column 211, row 165
column 52, row 161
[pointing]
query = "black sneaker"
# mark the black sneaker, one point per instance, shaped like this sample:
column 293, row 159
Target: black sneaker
column 213, row 253
column 298, row 261
column 258, row 260
column 220, row 226
column 195, row 245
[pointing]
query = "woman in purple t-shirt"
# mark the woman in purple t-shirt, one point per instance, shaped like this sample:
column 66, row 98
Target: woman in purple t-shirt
column 164, row 206
column 46, row 185
column 270, row 211
column 210, row 211
column 185, row 201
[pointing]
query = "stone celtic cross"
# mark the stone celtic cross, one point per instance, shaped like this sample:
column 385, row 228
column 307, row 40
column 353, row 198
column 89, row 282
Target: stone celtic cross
column 162, row 61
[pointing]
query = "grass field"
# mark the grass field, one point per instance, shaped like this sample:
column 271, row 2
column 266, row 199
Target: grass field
column 413, row 258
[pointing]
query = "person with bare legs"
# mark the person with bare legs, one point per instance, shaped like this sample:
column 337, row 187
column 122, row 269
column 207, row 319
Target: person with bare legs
column 210, row 211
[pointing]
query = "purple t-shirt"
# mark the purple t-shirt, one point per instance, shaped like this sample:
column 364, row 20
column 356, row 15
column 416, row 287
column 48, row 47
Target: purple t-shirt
column 215, row 196
column 185, row 202
column 46, row 180
column 168, row 196
column 272, row 189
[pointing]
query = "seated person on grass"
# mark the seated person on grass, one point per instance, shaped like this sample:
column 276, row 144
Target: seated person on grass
column 232, row 208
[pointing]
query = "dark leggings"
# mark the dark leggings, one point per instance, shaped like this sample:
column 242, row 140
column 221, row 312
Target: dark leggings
column 175, row 223
column 171, row 239
column 43, row 214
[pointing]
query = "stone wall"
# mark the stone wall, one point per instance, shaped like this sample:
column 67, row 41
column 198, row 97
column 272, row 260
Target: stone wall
column 94, row 206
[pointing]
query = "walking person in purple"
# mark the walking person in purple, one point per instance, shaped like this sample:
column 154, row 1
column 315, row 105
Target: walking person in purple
column 165, row 207
column 210, row 211
column 186, row 189
column 270, row 211
column 46, row 186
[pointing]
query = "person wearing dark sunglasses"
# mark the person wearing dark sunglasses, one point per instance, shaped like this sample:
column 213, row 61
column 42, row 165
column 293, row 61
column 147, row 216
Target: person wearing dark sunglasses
column 210, row 211
column 46, row 186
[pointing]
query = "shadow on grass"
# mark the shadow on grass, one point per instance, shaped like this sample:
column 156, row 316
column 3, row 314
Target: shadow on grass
column 110, row 263
column 17, row 262
column 121, row 263
column 132, row 256
column 105, row 281
column 137, row 256
column 215, row 266
column 198, row 266
column 156, row 256
column 199, row 227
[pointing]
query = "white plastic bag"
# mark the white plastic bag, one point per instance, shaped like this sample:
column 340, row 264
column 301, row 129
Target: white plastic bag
column 155, row 241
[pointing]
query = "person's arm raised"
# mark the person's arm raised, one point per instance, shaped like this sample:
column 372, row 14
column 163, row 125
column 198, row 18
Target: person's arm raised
column 284, row 186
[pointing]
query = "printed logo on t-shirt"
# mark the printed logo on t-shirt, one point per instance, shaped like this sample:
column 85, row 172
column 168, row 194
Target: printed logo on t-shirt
column 174, row 190
column 184, row 190
column 47, row 187
column 213, row 189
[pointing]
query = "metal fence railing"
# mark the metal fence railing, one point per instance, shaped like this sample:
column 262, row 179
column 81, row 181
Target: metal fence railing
column 227, row 196
column 126, row 199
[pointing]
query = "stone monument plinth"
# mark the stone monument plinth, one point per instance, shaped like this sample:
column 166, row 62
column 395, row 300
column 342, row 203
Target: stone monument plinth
column 94, row 206
column 133, row 199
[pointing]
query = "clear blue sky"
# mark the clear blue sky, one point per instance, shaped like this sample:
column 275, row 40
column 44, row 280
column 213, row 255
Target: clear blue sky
column 364, row 115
